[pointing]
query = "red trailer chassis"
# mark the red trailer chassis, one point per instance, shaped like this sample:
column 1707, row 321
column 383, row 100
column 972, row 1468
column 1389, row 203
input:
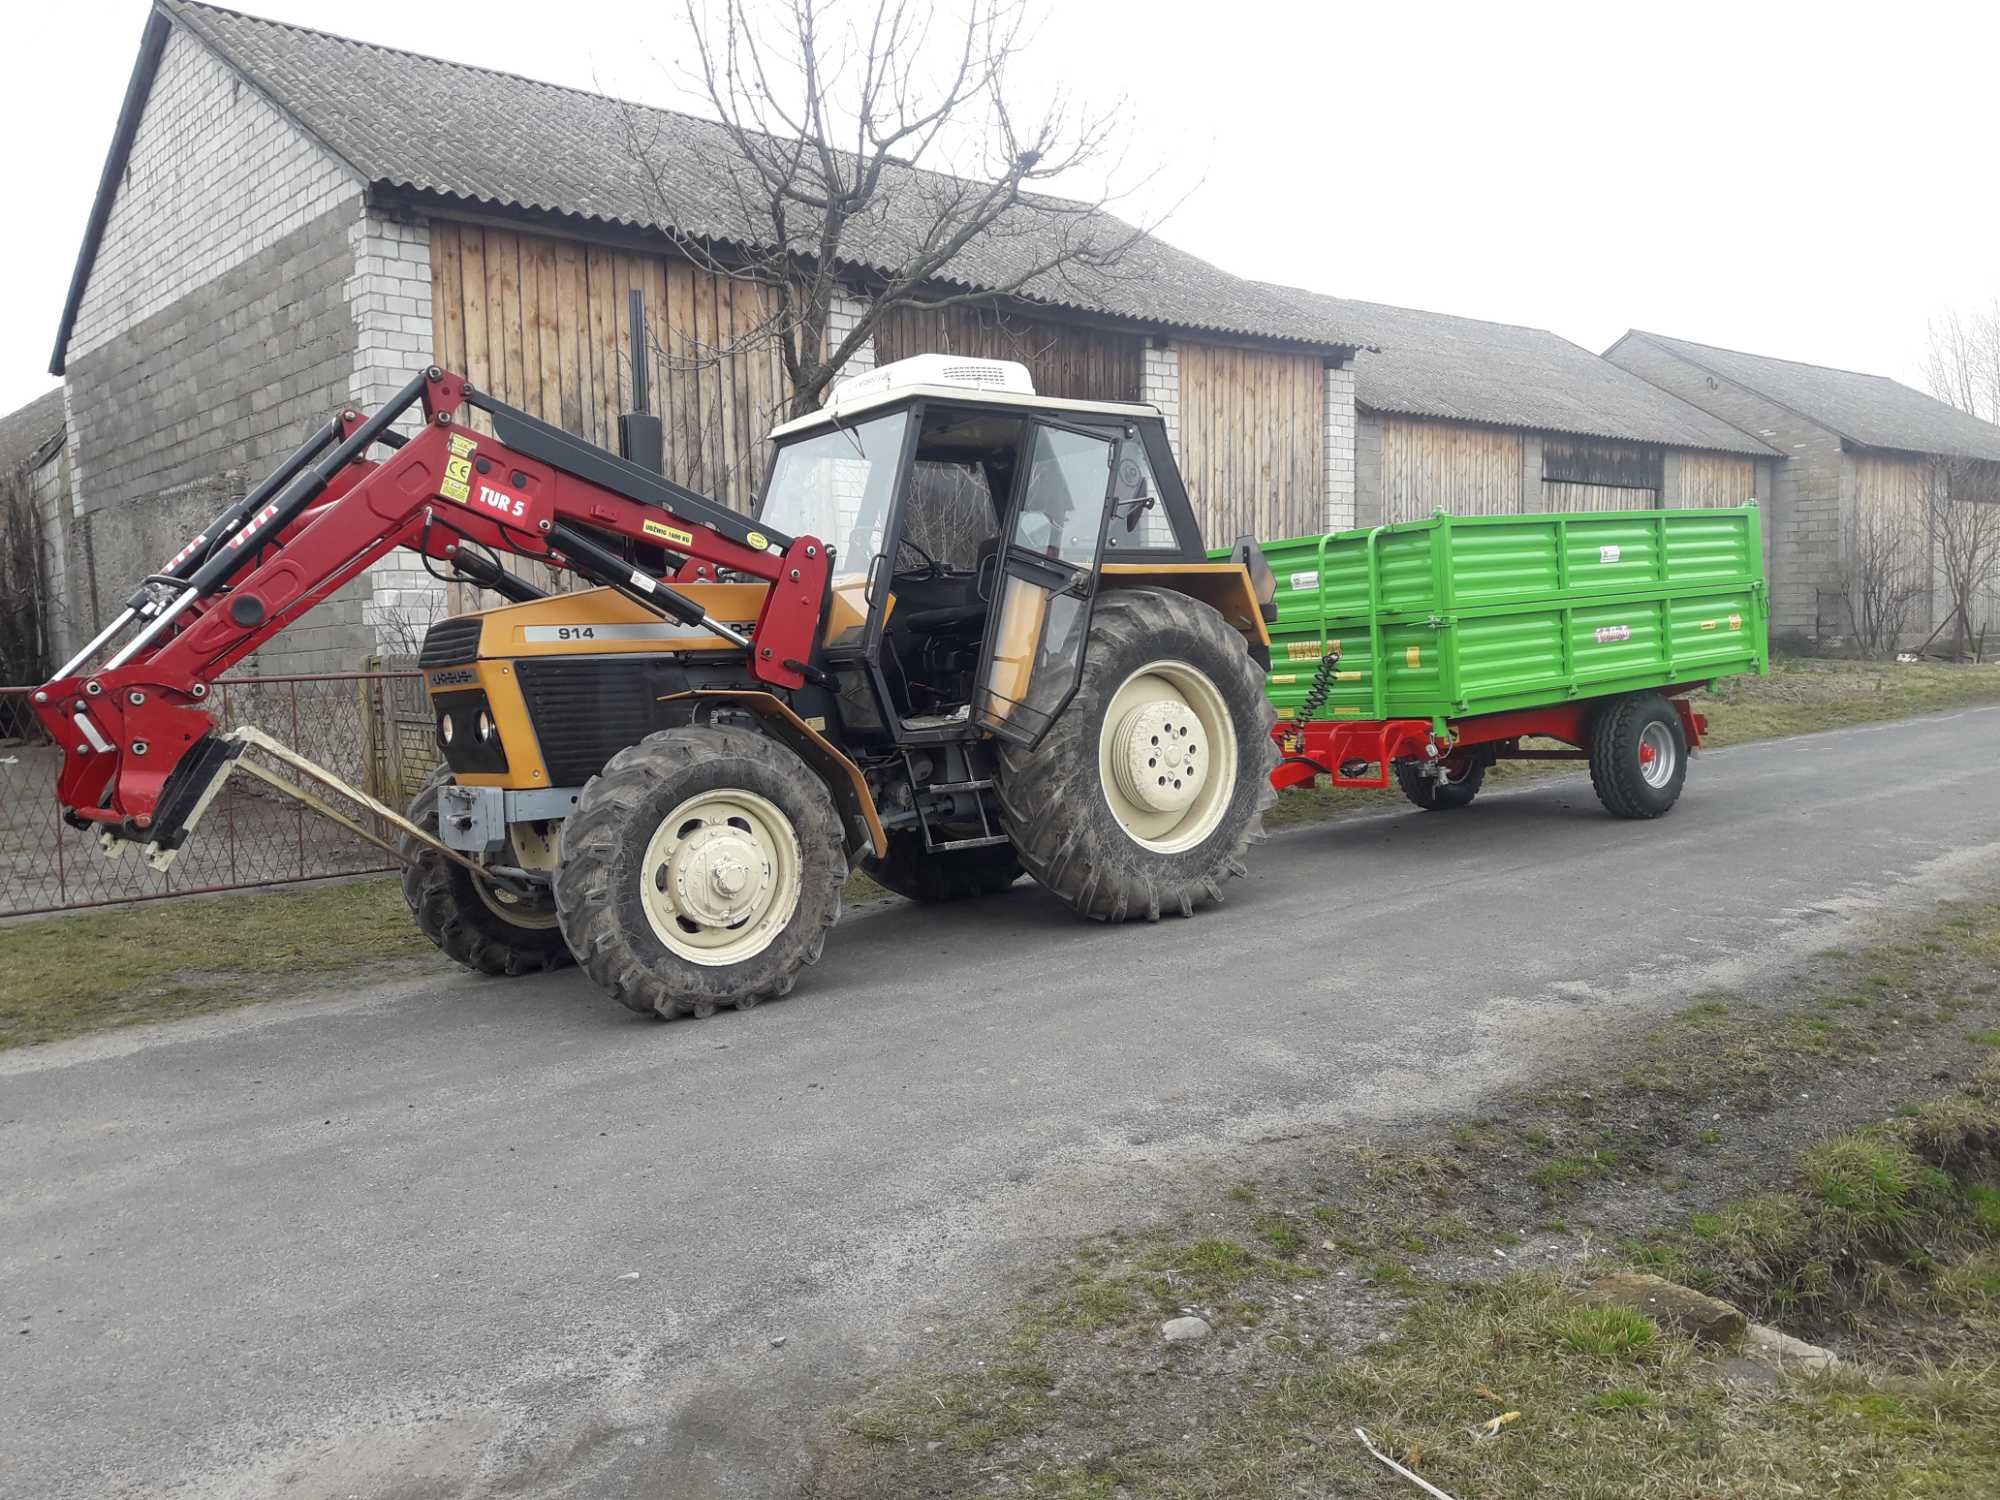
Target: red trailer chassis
column 1361, row 753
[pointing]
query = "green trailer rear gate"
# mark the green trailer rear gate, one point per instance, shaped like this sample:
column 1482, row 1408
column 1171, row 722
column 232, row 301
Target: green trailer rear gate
column 1462, row 615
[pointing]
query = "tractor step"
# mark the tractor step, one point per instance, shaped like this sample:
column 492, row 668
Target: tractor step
column 987, row 842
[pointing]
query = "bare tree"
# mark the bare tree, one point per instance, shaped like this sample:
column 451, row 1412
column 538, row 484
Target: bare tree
column 1880, row 581
column 1961, row 504
column 1962, row 365
column 878, row 144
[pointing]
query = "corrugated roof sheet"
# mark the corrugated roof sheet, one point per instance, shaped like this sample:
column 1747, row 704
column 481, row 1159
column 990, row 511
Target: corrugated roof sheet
column 30, row 428
column 432, row 126
column 1436, row 365
column 1871, row 410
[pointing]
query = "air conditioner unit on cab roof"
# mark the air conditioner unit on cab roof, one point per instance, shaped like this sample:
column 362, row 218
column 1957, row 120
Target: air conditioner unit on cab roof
column 935, row 370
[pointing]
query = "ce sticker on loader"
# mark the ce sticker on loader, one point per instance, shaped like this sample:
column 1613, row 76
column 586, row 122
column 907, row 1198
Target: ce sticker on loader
column 457, row 481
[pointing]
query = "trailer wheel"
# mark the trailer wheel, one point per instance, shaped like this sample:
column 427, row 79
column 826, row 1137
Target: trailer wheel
column 1462, row 777
column 1147, row 792
column 702, row 868
column 1638, row 756
column 937, row 876
column 471, row 922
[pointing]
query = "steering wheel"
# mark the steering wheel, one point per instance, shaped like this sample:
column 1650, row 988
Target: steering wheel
column 932, row 566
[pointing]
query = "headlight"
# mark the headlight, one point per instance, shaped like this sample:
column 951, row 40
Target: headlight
column 485, row 727
column 445, row 728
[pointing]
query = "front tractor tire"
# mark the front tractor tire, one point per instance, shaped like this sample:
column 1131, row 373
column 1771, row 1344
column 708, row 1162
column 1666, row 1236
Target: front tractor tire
column 1147, row 792
column 702, row 868
column 470, row 921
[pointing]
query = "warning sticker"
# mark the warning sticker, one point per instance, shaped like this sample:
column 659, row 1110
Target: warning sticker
column 1736, row 622
column 1710, row 624
column 1413, row 657
column 1606, row 634
column 666, row 533
column 462, row 445
column 758, row 540
column 1306, row 580
column 1309, row 650
column 1609, row 554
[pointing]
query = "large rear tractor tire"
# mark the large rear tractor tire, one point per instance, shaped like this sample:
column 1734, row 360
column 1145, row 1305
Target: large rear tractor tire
column 930, row 877
column 1455, row 782
column 1146, row 794
column 469, row 920
column 1638, row 756
column 701, row 869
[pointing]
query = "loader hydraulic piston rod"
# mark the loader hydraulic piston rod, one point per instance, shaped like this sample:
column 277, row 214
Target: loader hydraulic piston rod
column 265, row 523
column 608, row 567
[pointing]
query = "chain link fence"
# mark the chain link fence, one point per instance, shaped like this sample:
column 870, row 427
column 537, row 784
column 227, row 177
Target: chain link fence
column 373, row 729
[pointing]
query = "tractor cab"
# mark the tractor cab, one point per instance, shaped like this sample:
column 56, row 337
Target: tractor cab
column 970, row 524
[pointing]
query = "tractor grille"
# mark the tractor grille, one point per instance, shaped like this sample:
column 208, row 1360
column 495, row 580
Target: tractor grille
column 586, row 710
column 451, row 643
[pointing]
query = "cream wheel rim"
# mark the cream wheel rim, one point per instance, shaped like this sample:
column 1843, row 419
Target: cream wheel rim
column 720, row 879
column 518, row 911
column 1166, row 756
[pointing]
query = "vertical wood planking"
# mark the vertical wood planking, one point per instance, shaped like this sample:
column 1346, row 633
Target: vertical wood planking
column 1064, row 360
column 1717, row 479
column 569, row 335
column 1456, row 467
column 1251, row 441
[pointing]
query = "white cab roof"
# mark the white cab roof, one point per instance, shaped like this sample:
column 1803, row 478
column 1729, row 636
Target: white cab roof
column 847, row 412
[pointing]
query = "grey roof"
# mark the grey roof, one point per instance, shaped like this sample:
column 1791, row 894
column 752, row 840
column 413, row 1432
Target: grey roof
column 1436, row 365
column 433, row 127
column 26, row 432
column 1871, row 410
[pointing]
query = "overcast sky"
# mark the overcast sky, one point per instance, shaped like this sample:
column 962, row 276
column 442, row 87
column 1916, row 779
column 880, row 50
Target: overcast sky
column 1812, row 181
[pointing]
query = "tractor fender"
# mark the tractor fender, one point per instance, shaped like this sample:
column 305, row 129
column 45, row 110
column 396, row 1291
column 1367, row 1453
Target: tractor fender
column 843, row 778
column 1224, row 587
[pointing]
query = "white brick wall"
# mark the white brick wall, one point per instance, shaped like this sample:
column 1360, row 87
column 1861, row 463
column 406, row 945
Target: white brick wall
column 841, row 318
column 1338, row 442
column 389, row 297
column 215, row 175
column 1160, row 384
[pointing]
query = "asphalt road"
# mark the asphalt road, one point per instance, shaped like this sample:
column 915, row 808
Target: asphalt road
column 453, row 1237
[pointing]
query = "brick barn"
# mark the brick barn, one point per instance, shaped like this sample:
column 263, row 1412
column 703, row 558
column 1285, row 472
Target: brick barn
column 281, row 228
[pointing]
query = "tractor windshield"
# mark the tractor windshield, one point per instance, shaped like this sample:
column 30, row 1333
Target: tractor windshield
column 840, row 486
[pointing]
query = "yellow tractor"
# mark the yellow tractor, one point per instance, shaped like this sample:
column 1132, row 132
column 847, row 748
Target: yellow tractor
column 972, row 632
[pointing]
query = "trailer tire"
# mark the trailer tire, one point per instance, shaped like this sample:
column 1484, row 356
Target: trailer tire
column 1147, row 647
column 701, row 868
column 468, row 926
column 1434, row 794
column 1638, row 756
column 930, row 878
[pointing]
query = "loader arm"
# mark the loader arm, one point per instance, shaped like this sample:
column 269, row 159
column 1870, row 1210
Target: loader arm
column 138, row 746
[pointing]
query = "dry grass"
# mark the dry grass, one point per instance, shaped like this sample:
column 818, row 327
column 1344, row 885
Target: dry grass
column 64, row 976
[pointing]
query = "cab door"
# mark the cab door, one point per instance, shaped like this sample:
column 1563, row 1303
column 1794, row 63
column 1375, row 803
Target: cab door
column 1045, row 581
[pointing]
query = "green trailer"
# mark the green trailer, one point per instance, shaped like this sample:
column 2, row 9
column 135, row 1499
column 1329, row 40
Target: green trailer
column 1425, row 651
